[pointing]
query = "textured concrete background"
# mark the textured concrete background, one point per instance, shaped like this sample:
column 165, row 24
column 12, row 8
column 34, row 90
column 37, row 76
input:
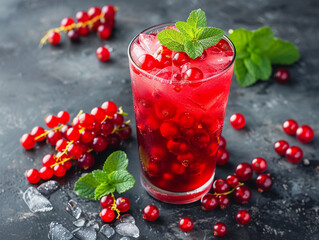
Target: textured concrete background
column 35, row 82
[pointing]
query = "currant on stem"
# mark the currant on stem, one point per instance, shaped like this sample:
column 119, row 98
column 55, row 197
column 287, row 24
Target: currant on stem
column 209, row 202
column 123, row 204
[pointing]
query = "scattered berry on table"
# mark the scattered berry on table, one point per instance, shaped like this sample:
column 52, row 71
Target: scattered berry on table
column 242, row 194
column 281, row 147
column 243, row 217
column 264, row 182
column 282, row 75
column 294, row 154
column 222, row 157
column 237, row 120
column 222, row 142
column 232, row 180
column 103, row 54
column 305, row 134
column 290, row 126
column 220, row 229
column 185, row 224
column 150, row 213
column 244, row 171
column 259, row 165
column 209, row 202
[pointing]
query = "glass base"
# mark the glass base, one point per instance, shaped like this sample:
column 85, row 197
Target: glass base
column 176, row 197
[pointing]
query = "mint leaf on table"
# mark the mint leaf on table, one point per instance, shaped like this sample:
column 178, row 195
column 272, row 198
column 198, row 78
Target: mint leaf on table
column 256, row 51
column 113, row 177
column 192, row 36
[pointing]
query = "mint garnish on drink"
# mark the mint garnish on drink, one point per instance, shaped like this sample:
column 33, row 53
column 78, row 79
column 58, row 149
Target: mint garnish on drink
column 256, row 51
column 113, row 177
column 193, row 36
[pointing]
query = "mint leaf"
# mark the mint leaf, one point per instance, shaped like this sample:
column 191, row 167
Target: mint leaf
column 244, row 78
column 100, row 176
column 193, row 49
column 197, row 19
column 282, row 52
column 262, row 71
column 256, row 58
column 172, row 39
column 240, row 37
column 187, row 30
column 103, row 189
column 122, row 180
column 261, row 39
column 210, row 36
column 116, row 161
column 85, row 186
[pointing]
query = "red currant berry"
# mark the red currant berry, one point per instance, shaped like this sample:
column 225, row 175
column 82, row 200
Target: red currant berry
column 187, row 120
column 163, row 61
column 48, row 160
column 124, row 132
column 169, row 130
column 107, row 127
column 290, row 126
column 103, row 54
column 259, row 165
column 209, row 202
column 76, row 122
column 237, row 121
column 27, row 141
column 107, row 201
column 83, row 31
column 222, row 157
column 281, row 147
column 113, row 140
column 67, row 165
column 165, row 111
column 109, row 23
column 109, row 12
column 264, row 182
column 53, row 137
column 74, row 35
column 185, row 224
column 200, row 138
column 123, row 204
column 118, row 119
column 177, row 146
column 92, row 13
column 64, row 117
column 82, row 16
column 33, row 176
column 222, row 142
column 107, row 215
column 223, row 201
column 64, row 130
column 305, row 134
column 36, row 132
column 180, row 58
column 220, row 186
column 243, row 217
column 86, row 120
column 73, row 134
column 220, row 229
column 110, row 108
column 61, row 145
column 98, row 113
column 59, row 170
column 46, row 173
column 52, row 121
column 294, row 154
column 147, row 62
column 86, row 161
column 75, row 151
column 54, row 38
column 104, row 32
column 193, row 74
column 232, row 181
column 87, row 136
column 242, row 194
column 66, row 22
column 244, row 171
column 282, row 75
column 150, row 213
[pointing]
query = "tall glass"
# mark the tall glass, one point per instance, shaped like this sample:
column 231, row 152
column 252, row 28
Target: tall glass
column 178, row 125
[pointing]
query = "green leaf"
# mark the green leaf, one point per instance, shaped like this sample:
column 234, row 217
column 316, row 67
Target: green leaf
column 197, row 19
column 122, row 180
column 187, row 30
column 193, row 49
column 282, row 52
column 261, row 39
column 116, row 161
column 172, row 39
column 85, row 186
column 262, row 71
column 240, row 37
column 256, row 58
column 100, row 176
column 103, row 189
column 210, row 36
column 244, row 78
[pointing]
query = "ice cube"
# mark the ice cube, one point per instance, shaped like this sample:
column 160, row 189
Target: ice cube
column 127, row 218
column 107, row 230
column 73, row 209
column 137, row 51
column 127, row 230
column 94, row 224
column 168, row 72
column 150, row 43
column 124, row 238
column 36, row 201
column 48, row 187
column 79, row 223
column 58, row 232
column 85, row 233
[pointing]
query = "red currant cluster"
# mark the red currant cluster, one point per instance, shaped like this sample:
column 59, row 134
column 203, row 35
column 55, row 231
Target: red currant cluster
column 103, row 127
column 304, row 134
column 110, row 206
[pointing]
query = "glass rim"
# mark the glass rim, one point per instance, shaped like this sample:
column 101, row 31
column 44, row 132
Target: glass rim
column 180, row 82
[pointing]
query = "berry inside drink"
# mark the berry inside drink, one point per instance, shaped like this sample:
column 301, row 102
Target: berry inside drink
column 179, row 106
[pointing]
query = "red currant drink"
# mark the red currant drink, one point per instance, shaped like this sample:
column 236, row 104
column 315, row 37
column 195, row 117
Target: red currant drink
column 179, row 106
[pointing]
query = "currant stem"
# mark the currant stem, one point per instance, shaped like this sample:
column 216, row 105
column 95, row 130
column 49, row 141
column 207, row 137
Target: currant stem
column 114, row 207
column 121, row 111
column 229, row 192
column 48, row 131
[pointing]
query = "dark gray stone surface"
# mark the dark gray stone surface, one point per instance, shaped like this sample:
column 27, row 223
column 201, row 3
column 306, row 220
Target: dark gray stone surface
column 35, row 82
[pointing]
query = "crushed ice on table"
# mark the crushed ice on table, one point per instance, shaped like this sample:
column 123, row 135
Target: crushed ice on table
column 127, row 218
column 58, row 232
column 85, row 233
column 36, row 201
column 124, row 238
column 127, row 229
column 79, row 223
column 48, row 187
column 73, row 209
column 94, row 224
column 107, row 230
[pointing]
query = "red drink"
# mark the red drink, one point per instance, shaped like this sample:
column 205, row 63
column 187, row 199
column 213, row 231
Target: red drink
column 178, row 119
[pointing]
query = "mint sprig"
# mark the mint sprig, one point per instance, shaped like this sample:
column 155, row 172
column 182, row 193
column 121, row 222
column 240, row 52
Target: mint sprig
column 257, row 51
column 113, row 177
column 193, row 36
